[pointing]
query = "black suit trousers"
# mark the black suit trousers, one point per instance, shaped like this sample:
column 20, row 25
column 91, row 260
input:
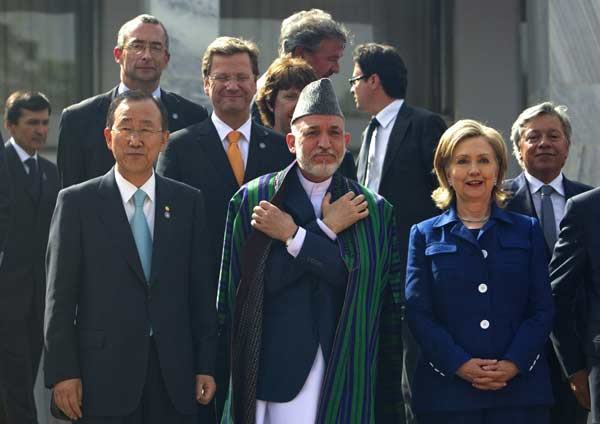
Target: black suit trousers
column 155, row 407
column 21, row 343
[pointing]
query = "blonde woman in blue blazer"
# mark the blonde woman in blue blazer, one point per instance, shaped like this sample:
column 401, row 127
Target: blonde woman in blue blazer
column 478, row 297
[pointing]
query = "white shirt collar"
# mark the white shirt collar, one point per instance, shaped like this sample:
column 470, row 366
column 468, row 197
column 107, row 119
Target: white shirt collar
column 123, row 88
column 388, row 113
column 23, row 155
column 535, row 184
column 223, row 129
column 313, row 189
column 127, row 189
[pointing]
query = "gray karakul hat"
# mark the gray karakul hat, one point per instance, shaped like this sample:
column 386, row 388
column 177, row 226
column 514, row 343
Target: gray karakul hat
column 317, row 98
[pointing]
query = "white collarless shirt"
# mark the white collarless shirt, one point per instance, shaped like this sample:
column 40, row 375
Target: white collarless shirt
column 127, row 191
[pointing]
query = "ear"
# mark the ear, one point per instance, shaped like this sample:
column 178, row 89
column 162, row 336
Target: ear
column 206, row 83
column 108, row 138
column 165, row 139
column 374, row 81
column 290, row 140
column 117, row 53
column 346, row 139
column 299, row 52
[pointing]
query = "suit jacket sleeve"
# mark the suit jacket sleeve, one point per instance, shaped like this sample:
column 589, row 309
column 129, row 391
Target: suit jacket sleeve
column 532, row 334
column 202, row 293
column 168, row 165
column 63, row 262
column 433, row 130
column 567, row 274
column 5, row 199
column 69, row 157
column 436, row 342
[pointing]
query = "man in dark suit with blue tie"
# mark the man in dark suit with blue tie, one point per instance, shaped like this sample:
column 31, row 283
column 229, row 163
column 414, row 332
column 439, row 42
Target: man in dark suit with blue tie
column 130, row 316
column 23, row 239
column 396, row 156
column 541, row 137
column 142, row 53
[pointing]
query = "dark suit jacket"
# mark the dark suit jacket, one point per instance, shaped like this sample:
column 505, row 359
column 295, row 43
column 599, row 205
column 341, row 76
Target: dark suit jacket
column 522, row 202
column 5, row 200
column 196, row 157
column 302, row 302
column 575, row 264
column 407, row 179
column 82, row 152
column 95, row 275
column 22, row 274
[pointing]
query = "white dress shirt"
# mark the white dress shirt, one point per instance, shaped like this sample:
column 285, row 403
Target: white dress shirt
column 557, row 197
column 127, row 191
column 23, row 155
column 378, row 148
column 123, row 88
column 244, row 142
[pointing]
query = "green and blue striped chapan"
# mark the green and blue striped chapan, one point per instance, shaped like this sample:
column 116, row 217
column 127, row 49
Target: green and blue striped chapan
column 362, row 378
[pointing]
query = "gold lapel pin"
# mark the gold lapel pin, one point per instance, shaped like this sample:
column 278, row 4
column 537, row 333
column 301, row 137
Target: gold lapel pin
column 167, row 212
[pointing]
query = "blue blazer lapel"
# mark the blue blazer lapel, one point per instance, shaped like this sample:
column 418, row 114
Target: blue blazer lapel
column 112, row 214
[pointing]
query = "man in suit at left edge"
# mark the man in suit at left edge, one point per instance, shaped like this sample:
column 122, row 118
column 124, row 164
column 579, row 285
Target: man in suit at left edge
column 130, row 329
column 32, row 196
column 142, row 52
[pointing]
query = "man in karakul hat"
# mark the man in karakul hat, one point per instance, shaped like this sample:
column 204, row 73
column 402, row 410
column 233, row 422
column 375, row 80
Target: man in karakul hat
column 310, row 286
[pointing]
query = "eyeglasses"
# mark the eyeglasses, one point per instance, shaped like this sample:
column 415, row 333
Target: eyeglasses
column 224, row 78
column 353, row 80
column 142, row 133
column 138, row 48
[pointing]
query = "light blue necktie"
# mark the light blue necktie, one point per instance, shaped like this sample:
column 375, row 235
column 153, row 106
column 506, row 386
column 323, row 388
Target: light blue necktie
column 141, row 232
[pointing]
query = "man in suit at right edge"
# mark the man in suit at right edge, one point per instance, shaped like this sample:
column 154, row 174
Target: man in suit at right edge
column 541, row 137
column 396, row 157
column 142, row 52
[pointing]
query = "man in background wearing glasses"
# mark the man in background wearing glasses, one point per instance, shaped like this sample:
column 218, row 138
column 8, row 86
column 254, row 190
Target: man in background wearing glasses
column 142, row 52
column 396, row 156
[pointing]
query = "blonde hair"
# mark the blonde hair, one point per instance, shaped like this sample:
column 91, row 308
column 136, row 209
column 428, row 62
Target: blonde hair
column 443, row 196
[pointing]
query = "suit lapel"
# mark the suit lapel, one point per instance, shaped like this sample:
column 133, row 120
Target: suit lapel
column 173, row 110
column 522, row 197
column 215, row 154
column 163, row 220
column 396, row 137
column 256, row 149
column 17, row 169
column 112, row 214
column 570, row 188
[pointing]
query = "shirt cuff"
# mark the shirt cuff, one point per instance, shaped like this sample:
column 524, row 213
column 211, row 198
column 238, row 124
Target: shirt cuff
column 327, row 230
column 297, row 242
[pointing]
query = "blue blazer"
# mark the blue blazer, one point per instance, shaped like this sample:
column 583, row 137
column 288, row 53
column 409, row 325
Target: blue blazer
column 479, row 297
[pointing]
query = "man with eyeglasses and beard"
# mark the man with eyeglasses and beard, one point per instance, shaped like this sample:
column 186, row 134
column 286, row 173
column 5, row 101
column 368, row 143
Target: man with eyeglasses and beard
column 142, row 52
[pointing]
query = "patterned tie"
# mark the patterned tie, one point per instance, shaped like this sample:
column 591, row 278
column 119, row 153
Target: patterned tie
column 235, row 156
column 34, row 176
column 548, row 221
column 363, row 160
column 141, row 233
